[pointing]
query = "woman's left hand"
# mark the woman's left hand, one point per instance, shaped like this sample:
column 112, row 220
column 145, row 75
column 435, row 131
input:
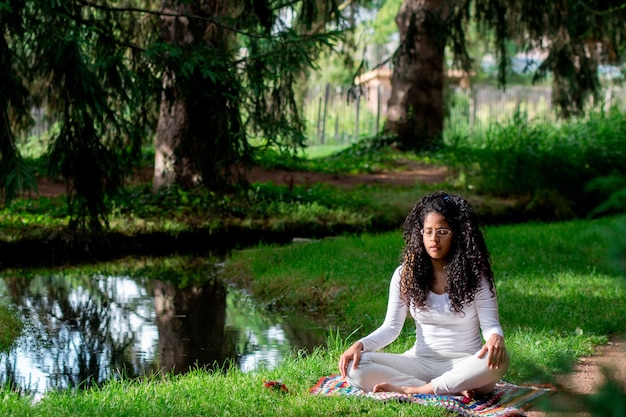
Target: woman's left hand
column 496, row 350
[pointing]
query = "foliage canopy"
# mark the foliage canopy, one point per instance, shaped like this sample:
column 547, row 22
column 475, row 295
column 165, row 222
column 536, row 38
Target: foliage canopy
column 101, row 70
column 215, row 79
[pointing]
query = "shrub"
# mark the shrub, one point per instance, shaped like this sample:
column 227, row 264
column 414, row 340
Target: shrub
column 547, row 164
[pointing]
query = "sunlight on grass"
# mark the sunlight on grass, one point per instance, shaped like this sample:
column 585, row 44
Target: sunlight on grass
column 322, row 151
column 558, row 299
column 199, row 393
column 554, row 284
column 313, row 275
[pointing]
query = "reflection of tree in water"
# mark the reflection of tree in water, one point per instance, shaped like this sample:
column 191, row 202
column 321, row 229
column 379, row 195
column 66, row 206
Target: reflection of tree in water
column 82, row 330
column 191, row 326
column 82, row 324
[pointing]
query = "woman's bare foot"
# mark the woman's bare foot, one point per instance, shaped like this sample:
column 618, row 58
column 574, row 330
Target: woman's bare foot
column 387, row 387
column 469, row 393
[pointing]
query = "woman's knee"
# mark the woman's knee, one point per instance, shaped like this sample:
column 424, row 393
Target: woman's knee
column 355, row 376
column 364, row 362
column 474, row 374
column 369, row 371
column 495, row 376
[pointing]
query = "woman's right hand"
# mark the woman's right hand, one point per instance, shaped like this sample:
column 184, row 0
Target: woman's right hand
column 353, row 353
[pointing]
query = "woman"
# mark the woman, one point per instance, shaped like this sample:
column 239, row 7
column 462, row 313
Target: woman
column 446, row 283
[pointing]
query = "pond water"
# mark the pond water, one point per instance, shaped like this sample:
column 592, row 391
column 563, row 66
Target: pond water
column 81, row 331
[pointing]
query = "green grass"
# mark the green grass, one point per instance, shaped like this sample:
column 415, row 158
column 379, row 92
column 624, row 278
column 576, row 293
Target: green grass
column 558, row 294
column 321, row 151
column 202, row 394
column 555, row 283
column 10, row 328
column 329, row 277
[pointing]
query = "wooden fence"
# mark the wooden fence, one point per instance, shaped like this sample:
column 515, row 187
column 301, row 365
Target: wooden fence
column 342, row 115
column 337, row 115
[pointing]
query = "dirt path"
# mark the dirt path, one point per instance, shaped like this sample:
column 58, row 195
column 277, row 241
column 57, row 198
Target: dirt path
column 410, row 174
column 586, row 379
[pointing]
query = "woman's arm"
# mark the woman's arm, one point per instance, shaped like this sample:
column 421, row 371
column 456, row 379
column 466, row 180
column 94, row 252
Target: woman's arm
column 487, row 311
column 489, row 320
column 394, row 318
column 385, row 334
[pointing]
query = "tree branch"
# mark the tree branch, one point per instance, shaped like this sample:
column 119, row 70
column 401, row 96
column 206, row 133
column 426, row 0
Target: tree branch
column 166, row 14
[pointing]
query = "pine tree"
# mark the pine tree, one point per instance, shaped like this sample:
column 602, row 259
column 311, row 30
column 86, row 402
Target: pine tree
column 211, row 77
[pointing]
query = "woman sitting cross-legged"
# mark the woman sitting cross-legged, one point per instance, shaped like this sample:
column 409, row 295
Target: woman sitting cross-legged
column 446, row 283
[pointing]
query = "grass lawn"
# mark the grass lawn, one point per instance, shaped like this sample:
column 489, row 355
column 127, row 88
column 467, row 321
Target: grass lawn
column 558, row 292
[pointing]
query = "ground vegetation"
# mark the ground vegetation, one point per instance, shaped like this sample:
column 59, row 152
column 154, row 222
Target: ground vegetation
column 517, row 172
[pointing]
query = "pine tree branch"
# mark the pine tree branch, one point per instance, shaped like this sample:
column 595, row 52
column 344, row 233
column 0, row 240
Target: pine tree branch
column 129, row 9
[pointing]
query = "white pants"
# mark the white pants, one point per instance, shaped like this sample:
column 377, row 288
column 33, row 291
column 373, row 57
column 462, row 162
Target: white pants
column 448, row 374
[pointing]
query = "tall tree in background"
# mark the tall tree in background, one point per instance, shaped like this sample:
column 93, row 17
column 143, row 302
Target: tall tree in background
column 415, row 109
column 229, row 75
column 199, row 135
column 576, row 36
column 217, row 75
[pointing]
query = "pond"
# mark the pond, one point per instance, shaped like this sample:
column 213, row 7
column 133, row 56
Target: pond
column 82, row 330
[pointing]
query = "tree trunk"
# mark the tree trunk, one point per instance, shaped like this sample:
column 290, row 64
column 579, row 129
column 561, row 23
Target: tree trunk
column 415, row 109
column 199, row 134
column 171, row 129
column 575, row 76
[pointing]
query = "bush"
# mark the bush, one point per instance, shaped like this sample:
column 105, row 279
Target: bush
column 547, row 164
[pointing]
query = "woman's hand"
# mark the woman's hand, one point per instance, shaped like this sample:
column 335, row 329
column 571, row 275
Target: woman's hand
column 353, row 353
column 496, row 349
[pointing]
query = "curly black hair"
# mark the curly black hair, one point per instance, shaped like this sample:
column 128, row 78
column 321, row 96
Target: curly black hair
column 466, row 264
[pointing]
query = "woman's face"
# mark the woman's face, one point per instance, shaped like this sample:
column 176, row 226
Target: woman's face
column 437, row 236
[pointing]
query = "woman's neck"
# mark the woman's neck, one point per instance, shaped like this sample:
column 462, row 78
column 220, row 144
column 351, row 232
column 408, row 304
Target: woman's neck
column 438, row 265
column 441, row 280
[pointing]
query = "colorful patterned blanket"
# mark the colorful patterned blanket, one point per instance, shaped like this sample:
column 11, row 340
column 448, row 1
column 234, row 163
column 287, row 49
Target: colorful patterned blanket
column 506, row 400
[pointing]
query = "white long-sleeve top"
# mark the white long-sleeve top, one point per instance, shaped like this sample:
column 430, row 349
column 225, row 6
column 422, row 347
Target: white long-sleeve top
column 438, row 329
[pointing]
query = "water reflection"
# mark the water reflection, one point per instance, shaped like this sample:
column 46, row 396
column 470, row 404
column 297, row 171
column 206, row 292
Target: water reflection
column 83, row 330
